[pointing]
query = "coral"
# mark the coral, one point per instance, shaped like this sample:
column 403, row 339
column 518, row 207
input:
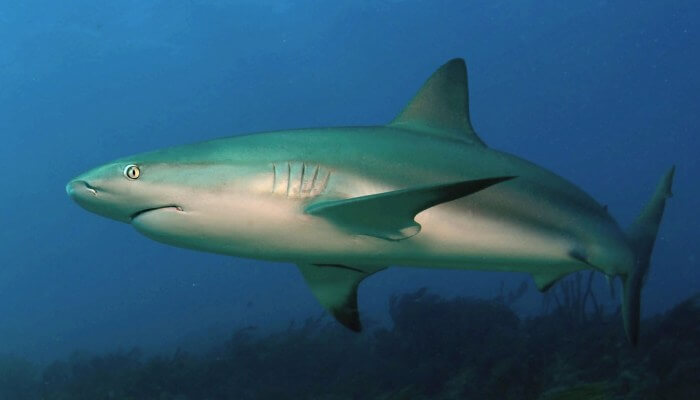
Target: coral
column 18, row 379
column 437, row 349
column 588, row 391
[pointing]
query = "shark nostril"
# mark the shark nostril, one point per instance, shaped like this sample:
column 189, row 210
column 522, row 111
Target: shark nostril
column 73, row 188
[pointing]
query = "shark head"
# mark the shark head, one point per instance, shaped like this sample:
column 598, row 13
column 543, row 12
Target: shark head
column 126, row 190
column 185, row 196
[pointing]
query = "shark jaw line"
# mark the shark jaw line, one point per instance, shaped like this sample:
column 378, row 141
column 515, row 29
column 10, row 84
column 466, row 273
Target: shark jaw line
column 147, row 210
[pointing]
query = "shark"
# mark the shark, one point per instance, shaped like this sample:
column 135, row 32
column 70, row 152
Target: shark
column 344, row 203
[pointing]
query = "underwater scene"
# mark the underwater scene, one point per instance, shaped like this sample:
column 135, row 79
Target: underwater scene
column 371, row 199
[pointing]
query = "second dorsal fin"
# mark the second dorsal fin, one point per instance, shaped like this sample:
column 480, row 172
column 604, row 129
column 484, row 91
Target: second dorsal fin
column 441, row 106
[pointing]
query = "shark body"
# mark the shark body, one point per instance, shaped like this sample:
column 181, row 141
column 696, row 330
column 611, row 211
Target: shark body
column 344, row 203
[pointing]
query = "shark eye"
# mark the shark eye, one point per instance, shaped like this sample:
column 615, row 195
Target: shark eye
column 132, row 172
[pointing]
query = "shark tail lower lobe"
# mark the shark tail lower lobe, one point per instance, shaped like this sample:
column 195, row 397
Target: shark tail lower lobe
column 642, row 235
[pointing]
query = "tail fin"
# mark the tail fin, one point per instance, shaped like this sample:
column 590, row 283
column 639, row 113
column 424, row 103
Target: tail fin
column 642, row 235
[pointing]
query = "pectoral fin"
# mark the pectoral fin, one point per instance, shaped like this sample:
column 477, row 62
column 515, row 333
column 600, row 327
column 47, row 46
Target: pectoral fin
column 335, row 287
column 545, row 280
column 390, row 215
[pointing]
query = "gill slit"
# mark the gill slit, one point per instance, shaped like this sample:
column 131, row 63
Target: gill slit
column 313, row 180
column 289, row 176
column 274, row 177
column 325, row 182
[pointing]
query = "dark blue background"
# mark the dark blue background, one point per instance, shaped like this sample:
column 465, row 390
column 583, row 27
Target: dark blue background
column 604, row 93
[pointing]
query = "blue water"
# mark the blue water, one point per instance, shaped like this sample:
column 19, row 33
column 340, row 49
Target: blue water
column 604, row 93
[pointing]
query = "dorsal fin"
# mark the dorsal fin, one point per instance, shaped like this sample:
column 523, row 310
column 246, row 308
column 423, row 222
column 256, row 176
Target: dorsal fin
column 441, row 106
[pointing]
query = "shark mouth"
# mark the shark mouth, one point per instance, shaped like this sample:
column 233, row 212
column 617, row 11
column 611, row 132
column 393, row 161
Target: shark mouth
column 147, row 210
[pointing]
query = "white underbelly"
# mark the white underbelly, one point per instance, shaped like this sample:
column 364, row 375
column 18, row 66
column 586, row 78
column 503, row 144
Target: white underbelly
column 474, row 240
column 267, row 228
column 449, row 238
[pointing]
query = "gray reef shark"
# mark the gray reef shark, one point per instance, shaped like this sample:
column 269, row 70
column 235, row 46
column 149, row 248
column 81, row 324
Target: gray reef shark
column 345, row 203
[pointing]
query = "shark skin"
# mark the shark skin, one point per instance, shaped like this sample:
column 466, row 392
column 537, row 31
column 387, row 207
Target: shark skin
column 344, row 203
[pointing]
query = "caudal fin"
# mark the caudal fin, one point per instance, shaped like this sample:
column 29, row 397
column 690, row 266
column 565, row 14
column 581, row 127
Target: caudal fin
column 642, row 235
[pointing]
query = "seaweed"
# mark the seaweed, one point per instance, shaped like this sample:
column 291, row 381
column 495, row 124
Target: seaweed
column 435, row 348
column 587, row 391
column 18, row 378
column 575, row 300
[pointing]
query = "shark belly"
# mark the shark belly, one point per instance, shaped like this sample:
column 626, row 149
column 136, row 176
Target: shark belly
column 269, row 222
column 448, row 239
column 472, row 240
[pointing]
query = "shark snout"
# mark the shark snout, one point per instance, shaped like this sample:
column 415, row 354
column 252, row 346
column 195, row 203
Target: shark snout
column 93, row 199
